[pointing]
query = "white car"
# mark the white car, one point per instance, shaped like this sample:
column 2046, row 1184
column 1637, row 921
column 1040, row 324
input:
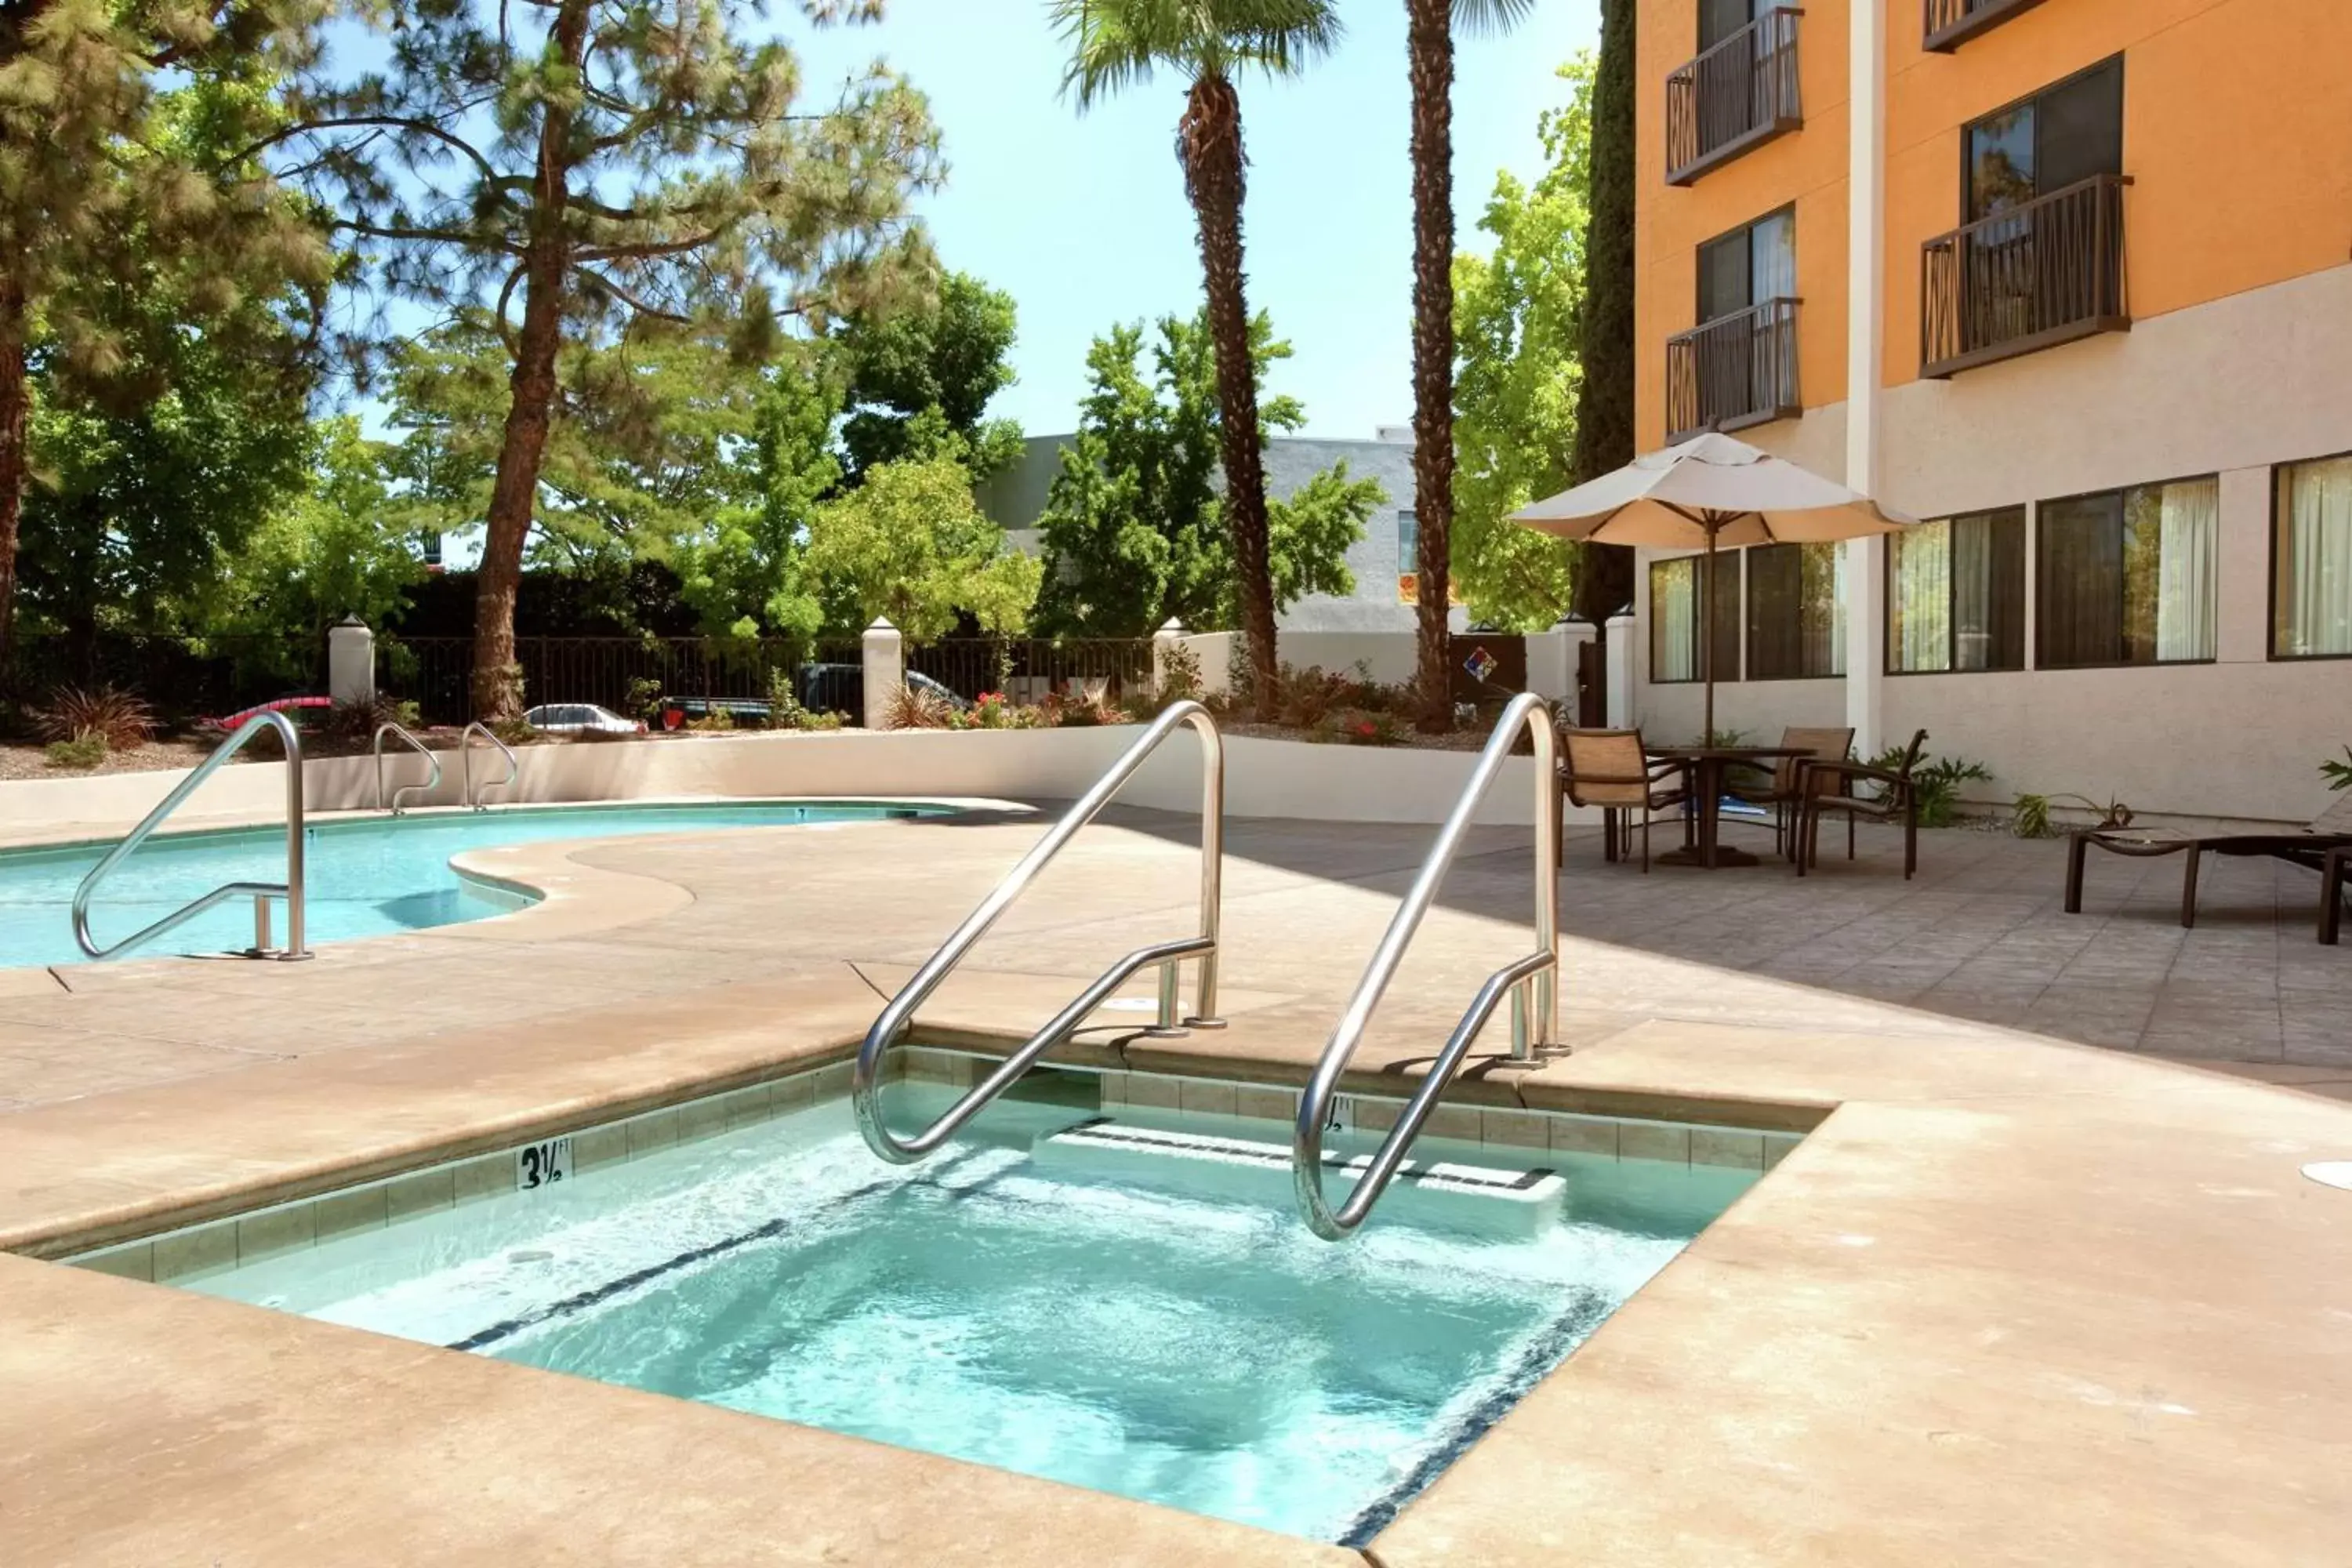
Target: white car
column 574, row 717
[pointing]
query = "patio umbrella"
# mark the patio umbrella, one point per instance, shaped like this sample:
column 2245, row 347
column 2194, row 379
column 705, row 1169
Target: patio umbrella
column 1710, row 491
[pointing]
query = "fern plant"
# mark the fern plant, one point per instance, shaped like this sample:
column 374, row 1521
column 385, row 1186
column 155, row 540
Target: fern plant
column 2338, row 774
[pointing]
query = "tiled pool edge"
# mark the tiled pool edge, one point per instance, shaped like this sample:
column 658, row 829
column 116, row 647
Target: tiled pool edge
column 186, row 1252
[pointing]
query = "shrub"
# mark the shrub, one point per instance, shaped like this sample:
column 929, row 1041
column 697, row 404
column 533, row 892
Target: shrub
column 1357, row 727
column 915, row 708
column 1305, row 698
column 515, row 732
column 644, row 702
column 80, row 751
column 1179, row 678
column 360, row 720
column 1937, row 784
column 1084, row 710
column 119, row 719
column 2032, row 820
column 716, row 718
column 2338, row 774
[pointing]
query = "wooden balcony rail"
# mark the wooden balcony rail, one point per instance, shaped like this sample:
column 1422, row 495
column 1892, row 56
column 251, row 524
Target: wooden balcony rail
column 1735, row 371
column 1946, row 24
column 2029, row 277
column 1737, row 95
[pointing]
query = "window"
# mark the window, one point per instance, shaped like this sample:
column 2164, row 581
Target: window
column 2128, row 576
column 1753, row 263
column 1718, row 19
column 1795, row 611
column 1955, row 595
column 2061, row 136
column 1739, row 367
column 1408, row 558
column 1675, row 599
column 2311, row 560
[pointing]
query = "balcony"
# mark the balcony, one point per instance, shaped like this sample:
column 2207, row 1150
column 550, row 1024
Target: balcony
column 1946, row 24
column 1737, row 95
column 2029, row 277
column 1733, row 371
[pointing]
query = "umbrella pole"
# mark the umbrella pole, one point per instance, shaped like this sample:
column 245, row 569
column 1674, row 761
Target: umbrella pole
column 1706, row 641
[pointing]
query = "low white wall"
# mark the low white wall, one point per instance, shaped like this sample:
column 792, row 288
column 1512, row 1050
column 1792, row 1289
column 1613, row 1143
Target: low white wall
column 1263, row 778
column 1389, row 657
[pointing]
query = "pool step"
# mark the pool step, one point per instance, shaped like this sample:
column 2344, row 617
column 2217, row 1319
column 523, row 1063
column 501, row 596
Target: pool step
column 1218, row 1165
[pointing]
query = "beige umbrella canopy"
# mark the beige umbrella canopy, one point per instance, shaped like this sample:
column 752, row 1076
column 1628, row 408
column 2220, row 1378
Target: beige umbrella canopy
column 1710, row 491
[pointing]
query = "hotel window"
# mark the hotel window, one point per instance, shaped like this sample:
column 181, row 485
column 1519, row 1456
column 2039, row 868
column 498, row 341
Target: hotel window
column 2311, row 592
column 2128, row 576
column 2061, row 136
column 1795, row 611
column 1675, row 597
column 1955, row 595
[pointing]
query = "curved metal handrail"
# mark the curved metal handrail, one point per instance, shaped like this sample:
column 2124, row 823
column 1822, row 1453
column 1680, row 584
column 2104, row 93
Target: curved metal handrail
column 866, row 1082
column 261, row 893
column 432, row 758
column 1533, row 978
column 466, row 752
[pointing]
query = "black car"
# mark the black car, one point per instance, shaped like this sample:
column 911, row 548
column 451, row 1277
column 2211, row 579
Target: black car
column 841, row 689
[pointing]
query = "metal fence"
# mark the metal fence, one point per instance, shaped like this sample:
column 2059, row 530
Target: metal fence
column 1028, row 670
column 181, row 677
column 614, row 672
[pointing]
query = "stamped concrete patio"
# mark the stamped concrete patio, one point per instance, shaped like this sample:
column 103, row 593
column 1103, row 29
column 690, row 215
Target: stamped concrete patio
column 2006, row 1275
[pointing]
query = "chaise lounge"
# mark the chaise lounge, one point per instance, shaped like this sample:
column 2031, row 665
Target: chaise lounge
column 2307, row 846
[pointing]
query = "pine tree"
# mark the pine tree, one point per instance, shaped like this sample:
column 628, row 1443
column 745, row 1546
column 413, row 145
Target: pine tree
column 1604, row 404
column 592, row 171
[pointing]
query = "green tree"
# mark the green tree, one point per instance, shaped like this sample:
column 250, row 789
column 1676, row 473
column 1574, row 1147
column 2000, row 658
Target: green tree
column 1516, row 321
column 1429, row 49
column 934, row 366
column 125, row 221
column 1133, row 526
column 1604, row 404
column 912, row 545
column 342, row 545
column 1115, row 44
column 742, row 570
column 606, row 165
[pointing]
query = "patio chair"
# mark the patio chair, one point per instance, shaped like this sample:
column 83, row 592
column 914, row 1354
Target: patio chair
column 2332, row 888
column 1608, row 768
column 1826, row 787
column 1778, row 788
column 2308, row 847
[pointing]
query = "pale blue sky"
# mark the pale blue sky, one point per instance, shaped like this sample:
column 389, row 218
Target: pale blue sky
column 1083, row 218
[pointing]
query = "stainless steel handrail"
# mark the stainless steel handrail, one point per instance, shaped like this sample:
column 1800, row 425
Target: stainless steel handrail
column 261, row 893
column 466, row 753
column 1533, row 982
column 432, row 758
column 866, row 1082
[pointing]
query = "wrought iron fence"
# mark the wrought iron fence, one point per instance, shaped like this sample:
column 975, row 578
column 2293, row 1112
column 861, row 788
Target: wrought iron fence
column 181, row 677
column 1028, row 669
column 2038, row 274
column 1946, row 24
column 614, row 672
column 1735, row 371
column 1736, row 94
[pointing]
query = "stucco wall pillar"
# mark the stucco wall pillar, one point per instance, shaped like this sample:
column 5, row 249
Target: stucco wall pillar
column 1621, row 673
column 2242, row 631
column 351, row 664
column 1865, row 559
column 885, row 654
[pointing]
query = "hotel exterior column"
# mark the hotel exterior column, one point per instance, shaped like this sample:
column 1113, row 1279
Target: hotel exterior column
column 1866, row 559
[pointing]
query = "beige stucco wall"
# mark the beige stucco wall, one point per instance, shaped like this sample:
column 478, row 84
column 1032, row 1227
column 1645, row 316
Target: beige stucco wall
column 2233, row 387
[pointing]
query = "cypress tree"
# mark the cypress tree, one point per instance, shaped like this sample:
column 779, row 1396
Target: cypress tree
column 1604, row 404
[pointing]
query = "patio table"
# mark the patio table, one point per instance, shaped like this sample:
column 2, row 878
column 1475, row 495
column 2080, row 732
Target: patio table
column 1708, row 764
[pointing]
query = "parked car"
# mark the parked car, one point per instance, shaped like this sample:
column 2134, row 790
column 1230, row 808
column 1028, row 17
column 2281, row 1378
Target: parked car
column 576, row 717
column 841, row 689
column 751, row 712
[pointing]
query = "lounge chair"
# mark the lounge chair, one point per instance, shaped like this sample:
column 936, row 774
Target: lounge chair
column 1826, row 787
column 2307, row 846
column 2332, row 888
column 1608, row 768
column 1778, row 788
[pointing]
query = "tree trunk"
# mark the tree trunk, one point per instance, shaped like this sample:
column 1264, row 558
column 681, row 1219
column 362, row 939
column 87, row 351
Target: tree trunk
column 1430, row 43
column 1604, row 398
column 1209, row 144
column 497, row 679
column 16, row 405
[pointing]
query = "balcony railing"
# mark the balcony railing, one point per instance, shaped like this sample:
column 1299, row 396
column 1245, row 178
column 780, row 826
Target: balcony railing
column 1946, row 24
column 1735, row 371
column 1737, row 95
column 2032, row 277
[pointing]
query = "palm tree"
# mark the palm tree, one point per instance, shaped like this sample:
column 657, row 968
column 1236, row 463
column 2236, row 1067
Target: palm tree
column 1116, row 43
column 1429, row 45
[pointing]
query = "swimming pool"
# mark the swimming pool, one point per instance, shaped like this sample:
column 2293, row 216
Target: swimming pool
column 365, row 877
column 1137, row 1321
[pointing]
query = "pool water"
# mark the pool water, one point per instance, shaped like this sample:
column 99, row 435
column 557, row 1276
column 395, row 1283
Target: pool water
column 365, row 876
column 1161, row 1331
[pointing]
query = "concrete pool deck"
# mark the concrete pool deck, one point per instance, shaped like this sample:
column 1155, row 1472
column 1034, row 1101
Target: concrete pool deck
column 2015, row 1299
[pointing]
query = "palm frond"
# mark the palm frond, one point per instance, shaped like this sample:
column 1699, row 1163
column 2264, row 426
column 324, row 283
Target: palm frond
column 1116, row 44
column 1490, row 16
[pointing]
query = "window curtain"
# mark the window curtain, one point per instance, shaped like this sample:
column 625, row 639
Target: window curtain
column 2314, row 560
column 1674, row 620
column 2189, row 539
column 1839, row 555
column 1919, row 598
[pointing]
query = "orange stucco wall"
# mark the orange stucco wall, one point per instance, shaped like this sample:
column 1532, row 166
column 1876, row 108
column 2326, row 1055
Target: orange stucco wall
column 2237, row 134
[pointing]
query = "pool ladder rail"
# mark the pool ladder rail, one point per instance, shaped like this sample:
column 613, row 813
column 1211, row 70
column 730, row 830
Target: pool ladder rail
column 1532, row 984
column 865, row 1083
column 466, row 753
column 432, row 759
column 291, row 889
